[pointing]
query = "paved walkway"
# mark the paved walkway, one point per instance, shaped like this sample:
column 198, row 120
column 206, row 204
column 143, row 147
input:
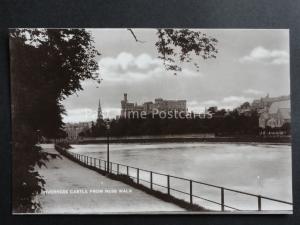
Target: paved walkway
column 71, row 188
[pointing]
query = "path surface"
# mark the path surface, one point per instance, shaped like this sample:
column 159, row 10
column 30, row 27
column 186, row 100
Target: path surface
column 74, row 189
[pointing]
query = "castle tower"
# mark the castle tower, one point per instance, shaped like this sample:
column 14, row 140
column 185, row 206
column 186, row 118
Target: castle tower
column 125, row 97
column 100, row 116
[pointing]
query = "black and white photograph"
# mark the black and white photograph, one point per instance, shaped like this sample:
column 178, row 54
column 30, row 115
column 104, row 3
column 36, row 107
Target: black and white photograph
column 150, row 121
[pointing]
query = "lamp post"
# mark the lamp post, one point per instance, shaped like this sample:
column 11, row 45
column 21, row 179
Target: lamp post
column 107, row 123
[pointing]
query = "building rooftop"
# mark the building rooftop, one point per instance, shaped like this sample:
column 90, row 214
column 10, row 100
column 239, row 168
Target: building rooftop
column 275, row 106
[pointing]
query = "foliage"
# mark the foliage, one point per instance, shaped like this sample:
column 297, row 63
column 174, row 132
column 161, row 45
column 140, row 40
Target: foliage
column 181, row 44
column 220, row 124
column 176, row 46
column 46, row 66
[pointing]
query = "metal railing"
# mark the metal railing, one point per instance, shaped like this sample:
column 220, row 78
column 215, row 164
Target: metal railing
column 121, row 169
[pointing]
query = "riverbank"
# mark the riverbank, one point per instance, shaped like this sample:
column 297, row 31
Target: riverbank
column 176, row 139
column 73, row 189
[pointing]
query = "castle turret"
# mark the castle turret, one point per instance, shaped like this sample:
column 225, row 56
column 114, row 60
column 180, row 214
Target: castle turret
column 125, row 97
column 100, row 116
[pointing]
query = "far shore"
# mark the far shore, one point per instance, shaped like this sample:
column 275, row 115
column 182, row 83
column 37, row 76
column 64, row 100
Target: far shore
column 162, row 139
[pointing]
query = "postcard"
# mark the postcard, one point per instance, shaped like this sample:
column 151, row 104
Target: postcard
column 150, row 121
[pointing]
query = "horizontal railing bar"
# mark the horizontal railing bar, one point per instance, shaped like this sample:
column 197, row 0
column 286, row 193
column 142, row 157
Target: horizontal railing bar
column 158, row 185
column 241, row 192
column 186, row 179
column 254, row 195
column 173, row 189
column 276, row 200
column 205, row 199
column 196, row 196
column 144, row 180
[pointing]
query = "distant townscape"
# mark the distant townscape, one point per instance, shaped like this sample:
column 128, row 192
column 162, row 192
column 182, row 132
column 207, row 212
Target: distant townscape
column 272, row 114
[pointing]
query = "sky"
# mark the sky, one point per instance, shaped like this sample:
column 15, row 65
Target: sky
column 250, row 64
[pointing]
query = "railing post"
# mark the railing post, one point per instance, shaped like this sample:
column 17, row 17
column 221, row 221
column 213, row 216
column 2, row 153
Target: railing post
column 151, row 178
column 118, row 169
column 168, row 183
column 191, row 192
column 127, row 171
column 94, row 162
column 99, row 162
column 111, row 170
column 105, row 166
column 222, row 199
column 259, row 202
column 138, row 175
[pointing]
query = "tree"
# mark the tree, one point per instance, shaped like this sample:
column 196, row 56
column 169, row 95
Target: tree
column 47, row 65
column 245, row 105
column 175, row 46
column 186, row 42
column 212, row 109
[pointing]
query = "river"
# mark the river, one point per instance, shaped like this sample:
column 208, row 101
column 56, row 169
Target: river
column 263, row 169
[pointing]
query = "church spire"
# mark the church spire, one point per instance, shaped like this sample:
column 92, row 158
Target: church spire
column 100, row 116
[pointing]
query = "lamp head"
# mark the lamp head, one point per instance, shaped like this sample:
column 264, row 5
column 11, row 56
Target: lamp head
column 107, row 123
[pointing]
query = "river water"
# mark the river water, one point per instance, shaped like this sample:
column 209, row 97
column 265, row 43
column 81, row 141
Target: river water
column 262, row 169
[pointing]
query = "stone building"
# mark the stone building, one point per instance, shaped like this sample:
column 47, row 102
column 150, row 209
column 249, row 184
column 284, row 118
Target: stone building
column 74, row 129
column 266, row 102
column 275, row 116
column 158, row 105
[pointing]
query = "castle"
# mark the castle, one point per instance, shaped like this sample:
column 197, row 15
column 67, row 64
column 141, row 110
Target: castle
column 158, row 105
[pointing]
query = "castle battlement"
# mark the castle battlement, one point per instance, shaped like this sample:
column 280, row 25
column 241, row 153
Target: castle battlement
column 149, row 107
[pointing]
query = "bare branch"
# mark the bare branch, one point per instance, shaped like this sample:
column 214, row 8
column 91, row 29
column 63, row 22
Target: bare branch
column 135, row 38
